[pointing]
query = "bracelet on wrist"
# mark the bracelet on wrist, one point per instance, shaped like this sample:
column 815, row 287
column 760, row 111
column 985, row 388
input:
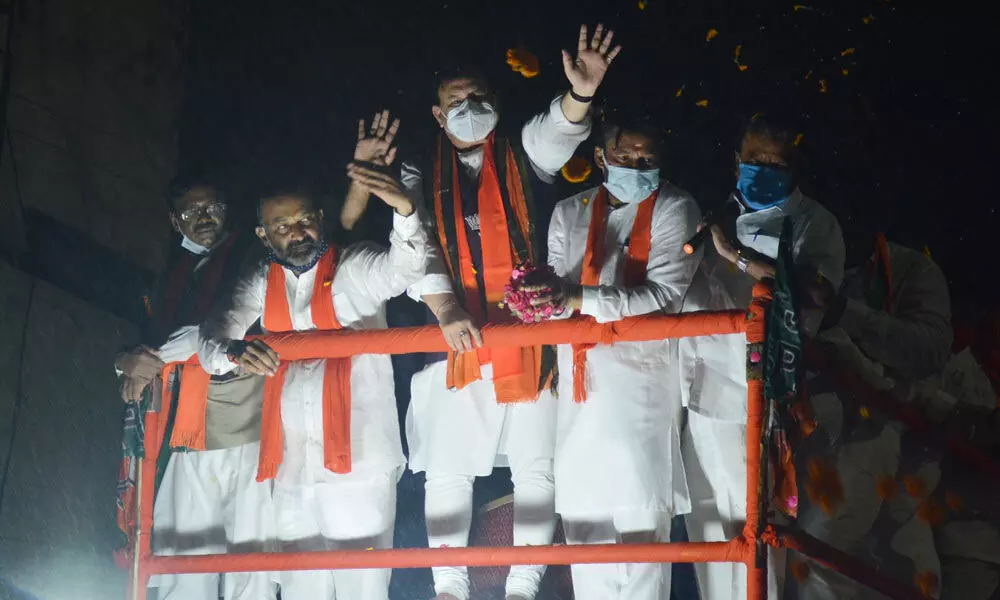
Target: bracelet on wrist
column 579, row 98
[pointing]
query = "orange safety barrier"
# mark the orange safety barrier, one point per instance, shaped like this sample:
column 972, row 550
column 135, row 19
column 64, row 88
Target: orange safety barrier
column 749, row 548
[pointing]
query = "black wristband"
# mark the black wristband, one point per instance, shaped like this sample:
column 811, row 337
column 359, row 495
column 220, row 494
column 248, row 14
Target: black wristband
column 579, row 98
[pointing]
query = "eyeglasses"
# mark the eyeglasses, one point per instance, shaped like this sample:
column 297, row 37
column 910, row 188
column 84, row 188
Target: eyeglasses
column 216, row 209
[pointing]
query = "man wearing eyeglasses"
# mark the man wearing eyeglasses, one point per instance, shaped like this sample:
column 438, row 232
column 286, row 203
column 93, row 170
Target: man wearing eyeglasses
column 209, row 501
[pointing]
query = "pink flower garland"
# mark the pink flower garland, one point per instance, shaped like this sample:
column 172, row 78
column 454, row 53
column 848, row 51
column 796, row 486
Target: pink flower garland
column 519, row 300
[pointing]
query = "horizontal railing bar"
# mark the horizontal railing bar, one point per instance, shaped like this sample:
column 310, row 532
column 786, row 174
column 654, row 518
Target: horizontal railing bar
column 308, row 345
column 414, row 558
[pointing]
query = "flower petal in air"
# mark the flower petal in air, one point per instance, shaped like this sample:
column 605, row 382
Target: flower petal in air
column 711, row 34
column 523, row 62
column 885, row 485
column 576, row 170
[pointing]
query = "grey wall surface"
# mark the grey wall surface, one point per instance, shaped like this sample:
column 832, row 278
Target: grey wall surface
column 96, row 86
column 57, row 522
column 95, row 89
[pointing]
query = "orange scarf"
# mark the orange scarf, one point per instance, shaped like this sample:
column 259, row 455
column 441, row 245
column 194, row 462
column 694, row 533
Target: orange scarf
column 516, row 371
column 189, row 425
column 593, row 261
column 336, row 377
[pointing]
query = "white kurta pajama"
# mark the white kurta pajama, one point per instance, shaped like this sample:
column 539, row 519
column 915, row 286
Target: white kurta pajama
column 314, row 507
column 713, row 378
column 714, row 390
column 891, row 352
column 457, row 435
column 210, row 502
column 618, row 466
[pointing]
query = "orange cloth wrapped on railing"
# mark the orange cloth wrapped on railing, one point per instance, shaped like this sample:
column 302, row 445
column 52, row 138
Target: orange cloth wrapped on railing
column 343, row 343
column 306, row 345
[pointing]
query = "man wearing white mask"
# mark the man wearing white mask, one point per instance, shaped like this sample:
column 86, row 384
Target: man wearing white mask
column 478, row 409
column 617, row 252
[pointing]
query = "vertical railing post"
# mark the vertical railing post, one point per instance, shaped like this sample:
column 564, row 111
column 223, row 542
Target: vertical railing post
column 146, row 484
column 133, row 574
column 756, row 557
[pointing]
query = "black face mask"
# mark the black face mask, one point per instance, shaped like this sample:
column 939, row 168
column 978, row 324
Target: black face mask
column 320, row 249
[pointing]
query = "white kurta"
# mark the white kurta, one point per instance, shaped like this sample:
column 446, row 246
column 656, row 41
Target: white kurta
column 210, row 502
column 889, row 351
column 618, row 453
column 915, row 340
column 314, row 507
column 817, row 242
column 465, row 432
column 365, row 279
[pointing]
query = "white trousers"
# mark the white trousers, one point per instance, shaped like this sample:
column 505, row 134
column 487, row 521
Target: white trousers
column 210, row 503
column 715, row 458
column 342, row 512
column 619, row 581
column 448, row 511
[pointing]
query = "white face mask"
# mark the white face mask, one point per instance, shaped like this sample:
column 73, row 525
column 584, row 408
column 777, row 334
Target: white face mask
column 192, row 246
column 471, row 121
column 631, row 185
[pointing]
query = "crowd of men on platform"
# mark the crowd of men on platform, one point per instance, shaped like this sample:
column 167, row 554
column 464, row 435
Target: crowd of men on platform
column 273, row 455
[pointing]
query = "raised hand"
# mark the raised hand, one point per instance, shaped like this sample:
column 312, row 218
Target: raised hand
column 586, row 72
column 375, row 146
column 383, row 186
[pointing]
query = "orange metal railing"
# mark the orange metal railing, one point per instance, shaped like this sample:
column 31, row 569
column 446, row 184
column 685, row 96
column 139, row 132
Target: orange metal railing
column 749, row 548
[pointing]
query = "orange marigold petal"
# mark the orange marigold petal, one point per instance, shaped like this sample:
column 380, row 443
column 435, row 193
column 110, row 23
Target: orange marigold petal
column 930, row 512
column 576, row 170
column 927, row 583
column 800, row 570
column 915, row 486
column 885, row 485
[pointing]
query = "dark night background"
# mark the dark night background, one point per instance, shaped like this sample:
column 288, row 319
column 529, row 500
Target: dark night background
column 903, row 143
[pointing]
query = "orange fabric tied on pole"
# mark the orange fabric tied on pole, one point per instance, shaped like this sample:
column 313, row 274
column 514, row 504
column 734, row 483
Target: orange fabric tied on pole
column 749, row 548
column 593, row 262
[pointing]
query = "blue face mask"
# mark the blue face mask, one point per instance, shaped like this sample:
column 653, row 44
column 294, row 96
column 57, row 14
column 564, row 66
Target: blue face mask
column 762, row 187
